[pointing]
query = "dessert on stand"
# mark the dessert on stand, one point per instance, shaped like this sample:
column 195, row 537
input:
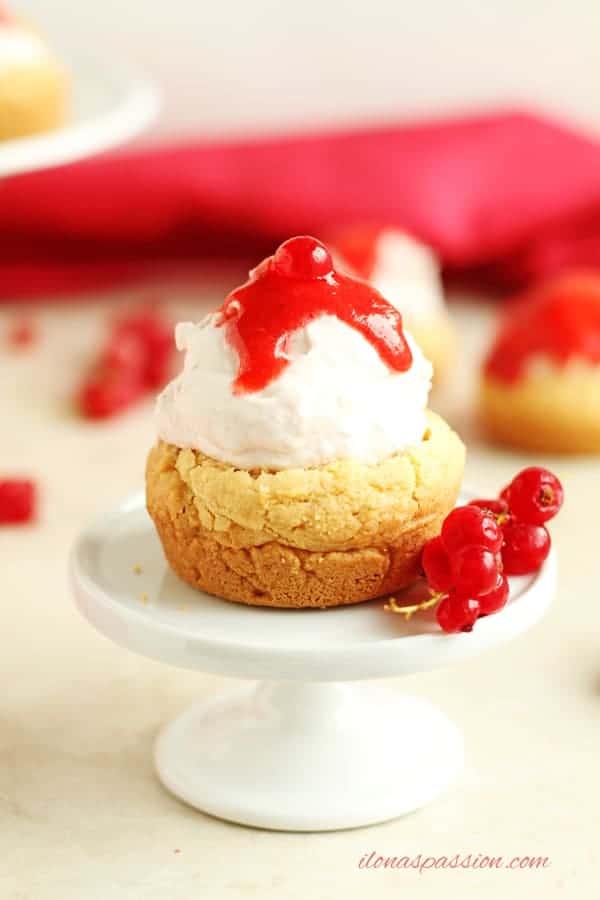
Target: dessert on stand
column 297, row 463
column 311, row 746
column 297, row 468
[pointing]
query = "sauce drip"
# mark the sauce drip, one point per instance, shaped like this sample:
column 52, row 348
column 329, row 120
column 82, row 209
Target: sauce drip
column 287, row 291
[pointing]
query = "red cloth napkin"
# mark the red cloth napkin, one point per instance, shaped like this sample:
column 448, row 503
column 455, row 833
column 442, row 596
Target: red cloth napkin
column 509, row 196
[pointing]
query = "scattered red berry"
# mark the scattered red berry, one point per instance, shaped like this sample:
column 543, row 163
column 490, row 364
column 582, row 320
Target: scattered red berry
column 107, row 394
column 22, row 333
column 535, row 495
column 494, row 600
column 124, row 352
column 494, row 506
column 17, row 501
column 526, row 546
column 149, row 326
column 155, row 337
column 457, row 613
column 470, row 526
column 157, row 370
column 475, row 570
column 135, row 360
column 436, row 565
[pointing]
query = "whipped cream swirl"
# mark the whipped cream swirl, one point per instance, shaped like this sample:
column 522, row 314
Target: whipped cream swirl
column 336, row 399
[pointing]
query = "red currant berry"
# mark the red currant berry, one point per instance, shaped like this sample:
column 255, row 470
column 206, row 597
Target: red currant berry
column 106, row 395
column 496, row 507
column 526, row 546
column 303, row 257
column 457, row 613
column 158, row 370
column 469, row 526
column 17, row 501
column 148, row 325
column 154, row 337
column 22, row 333
column 535, row 495
column 436, row 565
column 124, row 351
column 475, row 570
column 494, row 600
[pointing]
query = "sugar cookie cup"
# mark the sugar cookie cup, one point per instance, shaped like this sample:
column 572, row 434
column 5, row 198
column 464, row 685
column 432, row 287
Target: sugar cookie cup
column 553, row 412
column 326, row 536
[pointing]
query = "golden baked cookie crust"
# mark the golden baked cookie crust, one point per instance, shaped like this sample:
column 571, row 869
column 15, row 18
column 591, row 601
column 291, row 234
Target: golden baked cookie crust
column 33, row 99
column 554, row 412
column 326, row 536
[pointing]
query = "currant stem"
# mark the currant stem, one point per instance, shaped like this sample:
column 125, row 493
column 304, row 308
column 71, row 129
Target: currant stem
column 409, row 611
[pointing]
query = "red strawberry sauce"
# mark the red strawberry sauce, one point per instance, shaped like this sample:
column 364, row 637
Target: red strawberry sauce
column 560, row 321
column 290, row 289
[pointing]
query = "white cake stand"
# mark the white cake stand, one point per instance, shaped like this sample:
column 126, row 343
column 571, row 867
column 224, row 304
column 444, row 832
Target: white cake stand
column 111, row 103
column 302, row 751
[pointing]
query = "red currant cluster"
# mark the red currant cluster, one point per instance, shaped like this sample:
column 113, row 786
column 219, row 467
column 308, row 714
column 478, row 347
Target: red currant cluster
column 483, row 542
column 17, row 501
column 135, row 360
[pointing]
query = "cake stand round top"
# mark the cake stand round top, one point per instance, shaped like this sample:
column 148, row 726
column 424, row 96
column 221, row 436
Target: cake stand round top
column 112, row 102
column 124, row 587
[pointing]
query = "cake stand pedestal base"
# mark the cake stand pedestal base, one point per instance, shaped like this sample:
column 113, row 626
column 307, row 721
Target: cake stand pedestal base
column 309, row 756
column 318, row 746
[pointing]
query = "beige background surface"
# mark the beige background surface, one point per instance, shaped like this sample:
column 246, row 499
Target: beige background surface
column 82, row 816
column 238, row 67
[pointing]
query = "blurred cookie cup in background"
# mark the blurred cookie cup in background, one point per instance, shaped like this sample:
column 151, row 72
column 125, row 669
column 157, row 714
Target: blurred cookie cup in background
column 540, row 383
column 34, row 85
